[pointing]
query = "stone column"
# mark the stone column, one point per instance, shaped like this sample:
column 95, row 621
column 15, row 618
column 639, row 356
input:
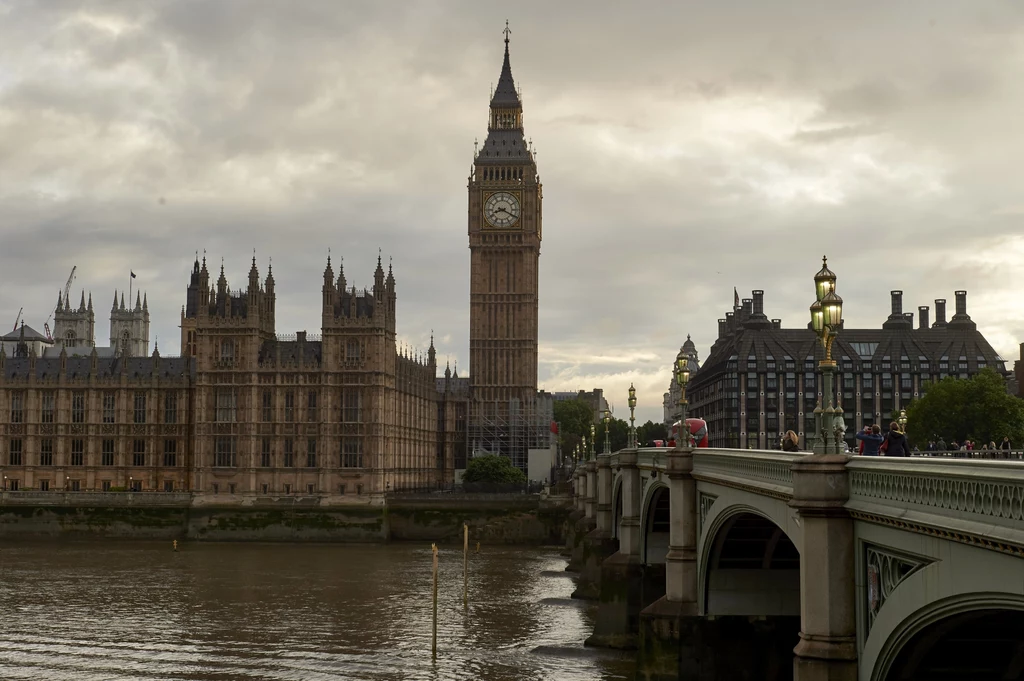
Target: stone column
column 571, row 534
column 604, row 494
column 581, row 488
column 827, row 650
column 681, row 561
column 598, row 545
column 591, row 507
column 671, row 632
column 621, row 582
column 629, row 526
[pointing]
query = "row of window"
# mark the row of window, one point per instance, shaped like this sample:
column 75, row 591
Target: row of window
column 49, row 398
column 353, row 349
column 350, row 455
column 14, row 484
column 225, row 455
column 16, row 455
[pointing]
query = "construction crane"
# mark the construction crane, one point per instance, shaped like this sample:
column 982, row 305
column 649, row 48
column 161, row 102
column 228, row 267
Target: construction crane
column 18, row 318
column 67, row 292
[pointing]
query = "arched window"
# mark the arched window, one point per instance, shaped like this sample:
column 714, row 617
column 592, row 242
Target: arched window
column 126, row 343
column 70, row 339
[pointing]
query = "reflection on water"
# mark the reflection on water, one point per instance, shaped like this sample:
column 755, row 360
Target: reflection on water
column 118, row 610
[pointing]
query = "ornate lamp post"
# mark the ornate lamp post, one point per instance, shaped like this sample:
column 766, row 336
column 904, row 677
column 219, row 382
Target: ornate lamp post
column 632, row 419
column 682, row 378
column 593, row 440
column 902, row 420
column 607, row 441
column 826, row 318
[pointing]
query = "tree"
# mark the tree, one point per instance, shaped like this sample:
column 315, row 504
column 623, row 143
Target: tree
column 574, row 418
column 493, row 468
column 651, row 431
column 977, row 408
column 618, row 434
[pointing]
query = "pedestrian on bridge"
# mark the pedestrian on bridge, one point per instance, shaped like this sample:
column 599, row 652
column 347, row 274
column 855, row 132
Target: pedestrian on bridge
column 871, row 437
column 790, row 442
column 940, row 446
column 896, row 442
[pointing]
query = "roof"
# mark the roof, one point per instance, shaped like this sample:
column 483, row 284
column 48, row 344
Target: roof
column 505, row 95
column 30, row 335
column 109, row 366
column 505, row 145
column 80, row 351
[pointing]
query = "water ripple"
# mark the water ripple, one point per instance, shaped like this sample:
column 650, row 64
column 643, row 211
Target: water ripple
column 135, row 610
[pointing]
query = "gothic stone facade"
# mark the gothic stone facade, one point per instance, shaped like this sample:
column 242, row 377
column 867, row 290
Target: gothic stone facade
column 91, row 423
column 760, row 380
column 245, row 410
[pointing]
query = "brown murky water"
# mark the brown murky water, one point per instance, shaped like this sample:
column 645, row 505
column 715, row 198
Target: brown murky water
column 102, row 610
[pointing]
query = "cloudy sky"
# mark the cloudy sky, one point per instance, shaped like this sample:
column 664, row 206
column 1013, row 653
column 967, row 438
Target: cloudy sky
column 685, row 148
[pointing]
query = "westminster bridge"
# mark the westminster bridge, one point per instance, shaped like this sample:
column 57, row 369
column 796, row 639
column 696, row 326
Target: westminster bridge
column 734, row 564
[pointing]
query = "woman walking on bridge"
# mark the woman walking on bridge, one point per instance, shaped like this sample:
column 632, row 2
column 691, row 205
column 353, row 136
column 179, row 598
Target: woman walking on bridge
column 896, row 442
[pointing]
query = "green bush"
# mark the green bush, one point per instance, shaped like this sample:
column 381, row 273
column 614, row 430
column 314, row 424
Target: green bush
column 493, row 468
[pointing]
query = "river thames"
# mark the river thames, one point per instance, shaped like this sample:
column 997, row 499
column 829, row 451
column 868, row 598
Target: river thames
column 101, row 610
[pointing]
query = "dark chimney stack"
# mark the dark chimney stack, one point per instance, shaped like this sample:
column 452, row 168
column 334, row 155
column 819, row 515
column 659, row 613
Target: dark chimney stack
column 748, row 308
column 897, row 303
column 776, row 323
column 758, row 308
column 940, row 312
column 922, row 316
column 961, row 303
column 723, row 328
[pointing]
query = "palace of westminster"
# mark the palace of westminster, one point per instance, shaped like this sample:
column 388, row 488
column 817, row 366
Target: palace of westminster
column 245, row 410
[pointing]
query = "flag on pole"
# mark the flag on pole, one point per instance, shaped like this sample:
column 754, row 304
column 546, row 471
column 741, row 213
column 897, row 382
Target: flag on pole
column 132, row 273
column 735, row 296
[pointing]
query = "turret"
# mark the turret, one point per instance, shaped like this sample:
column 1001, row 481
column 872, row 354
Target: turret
column 329, row 290
column 203, row 285
column 254, row 282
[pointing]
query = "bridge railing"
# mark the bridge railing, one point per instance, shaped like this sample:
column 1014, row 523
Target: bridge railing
column 766, row 471
column 977, row 497
column 986, row 454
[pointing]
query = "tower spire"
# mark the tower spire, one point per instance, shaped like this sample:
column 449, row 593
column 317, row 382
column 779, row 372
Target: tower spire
column 505, row 95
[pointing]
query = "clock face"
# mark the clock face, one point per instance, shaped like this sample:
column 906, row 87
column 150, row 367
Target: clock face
column 501, row 209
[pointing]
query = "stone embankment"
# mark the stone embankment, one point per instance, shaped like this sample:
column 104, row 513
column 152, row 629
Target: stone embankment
column 492, row 518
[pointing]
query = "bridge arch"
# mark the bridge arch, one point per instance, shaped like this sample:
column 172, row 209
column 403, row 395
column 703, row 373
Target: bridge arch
column 749, row 564
column 974, row 637
column 655, row 521
column 964, row 590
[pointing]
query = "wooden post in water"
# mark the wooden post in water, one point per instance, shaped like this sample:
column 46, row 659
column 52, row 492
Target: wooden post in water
column 433, row 645
column 465, row 565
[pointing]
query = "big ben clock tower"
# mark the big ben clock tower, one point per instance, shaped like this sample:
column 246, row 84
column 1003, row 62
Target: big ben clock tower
column 504, row 242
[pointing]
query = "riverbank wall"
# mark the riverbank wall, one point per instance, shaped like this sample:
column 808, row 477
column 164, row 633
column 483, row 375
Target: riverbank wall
column 492, row 518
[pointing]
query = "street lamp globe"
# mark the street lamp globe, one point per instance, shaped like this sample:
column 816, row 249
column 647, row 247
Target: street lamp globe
column 824, row 280
column 817, row 317
column 832, row 310
column 632, row 396
column 682, row 369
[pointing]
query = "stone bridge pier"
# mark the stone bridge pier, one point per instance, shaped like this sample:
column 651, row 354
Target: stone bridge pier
column 598, row 544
